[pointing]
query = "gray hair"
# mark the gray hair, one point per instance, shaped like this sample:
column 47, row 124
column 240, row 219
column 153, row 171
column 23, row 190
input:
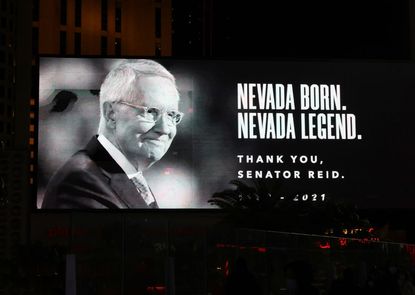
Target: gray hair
column 121, row 82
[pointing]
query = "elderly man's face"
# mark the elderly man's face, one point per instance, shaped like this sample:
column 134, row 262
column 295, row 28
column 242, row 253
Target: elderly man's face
column 141, row 141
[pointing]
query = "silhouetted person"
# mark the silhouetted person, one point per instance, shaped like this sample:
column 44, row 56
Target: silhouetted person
column 241, row 281
column 63, row 100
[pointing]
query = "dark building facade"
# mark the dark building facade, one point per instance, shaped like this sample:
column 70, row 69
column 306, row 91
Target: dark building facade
column 15, row 58
column 104, row 27
column 292, row 29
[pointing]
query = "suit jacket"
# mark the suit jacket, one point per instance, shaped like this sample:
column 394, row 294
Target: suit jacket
column 92, row 179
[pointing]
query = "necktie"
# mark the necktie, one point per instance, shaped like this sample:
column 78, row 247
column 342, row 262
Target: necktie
column 142, row 187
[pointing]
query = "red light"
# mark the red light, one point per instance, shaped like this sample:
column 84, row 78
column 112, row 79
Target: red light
column 343, row 242
column 156, row 290
column 262, row 250
column 325, row 246
column 411, row 251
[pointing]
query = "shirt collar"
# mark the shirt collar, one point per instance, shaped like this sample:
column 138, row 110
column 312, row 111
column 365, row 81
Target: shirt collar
column 118, row 157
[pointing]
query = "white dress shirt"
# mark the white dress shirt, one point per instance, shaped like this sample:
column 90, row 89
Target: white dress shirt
column 127, row 167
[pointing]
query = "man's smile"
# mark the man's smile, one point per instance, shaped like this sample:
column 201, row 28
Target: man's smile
column 155, row 141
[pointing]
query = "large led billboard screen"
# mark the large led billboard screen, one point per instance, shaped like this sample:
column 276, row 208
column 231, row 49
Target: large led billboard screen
column 133, row 133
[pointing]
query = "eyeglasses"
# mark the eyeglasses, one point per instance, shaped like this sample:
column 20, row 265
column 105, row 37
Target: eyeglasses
column 152, row 115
